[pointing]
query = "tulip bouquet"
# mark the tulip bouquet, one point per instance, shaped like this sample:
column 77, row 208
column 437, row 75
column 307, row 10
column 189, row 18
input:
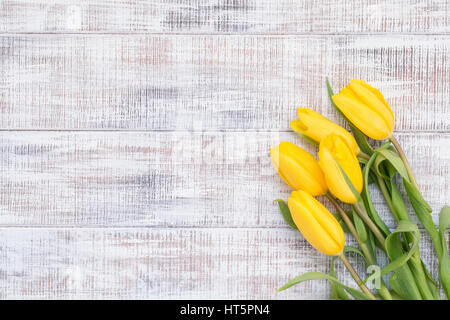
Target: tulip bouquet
column 347, row 165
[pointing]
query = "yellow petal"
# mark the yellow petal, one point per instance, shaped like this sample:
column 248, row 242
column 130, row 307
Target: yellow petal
column 375, row 91
column 373, row 99
column 335, row 154
column 316, row 223
column 334, row 178
column 298, row 168
column 317, row 127
column 365, row 119
column 346, row 159
column 366, row 108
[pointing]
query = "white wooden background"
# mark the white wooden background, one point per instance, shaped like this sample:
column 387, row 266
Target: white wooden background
column 135, row 135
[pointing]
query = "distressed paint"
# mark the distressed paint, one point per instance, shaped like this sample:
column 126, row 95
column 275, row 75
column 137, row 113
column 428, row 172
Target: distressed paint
column 148, row 82
column 197, row 179
column 162, row 263
column 135, row 136
column 225, row 16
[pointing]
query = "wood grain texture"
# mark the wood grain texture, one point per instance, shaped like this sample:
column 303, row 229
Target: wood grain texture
column 213, row 82
column 177, row 179
column 134, row 137
column 226, row 16
column 143, row 263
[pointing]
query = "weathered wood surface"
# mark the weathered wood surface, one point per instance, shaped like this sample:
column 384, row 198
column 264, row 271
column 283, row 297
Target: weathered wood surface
column 213, row 82
column 178, row 179
column 135, row 134
column 127, row 263
column 226, row 16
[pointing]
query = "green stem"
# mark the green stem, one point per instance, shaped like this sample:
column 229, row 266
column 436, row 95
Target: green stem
column 386, row 195
column 363, row 155
column 401, row 213
column 365, row 217
column 428, row 226
column 420, row 277
column 356, row 277
column 384, row 291
column 344, row 217
column 405, row 161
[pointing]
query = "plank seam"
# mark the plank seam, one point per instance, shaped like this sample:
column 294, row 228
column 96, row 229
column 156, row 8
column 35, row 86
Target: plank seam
column 200, row 131
column 231, row 34
column 149, row 227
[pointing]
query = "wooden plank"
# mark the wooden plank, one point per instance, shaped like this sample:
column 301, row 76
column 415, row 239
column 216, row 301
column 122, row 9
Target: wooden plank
column 145, row 263
column 213, row 82
column 224, row 16
column 178, row 179
column 186, row 211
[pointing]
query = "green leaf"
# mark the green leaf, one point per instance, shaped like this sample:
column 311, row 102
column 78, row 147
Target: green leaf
column 403, row 284
column 403, row 227
column 372, row 178
column 341, row 222
column 421, row 207
column 430, row 279
column 401, row 211
column 390, row 186
column 336, row 292
column 360, row 137
column 390, row 170
column 427, row 288
column 330, row 95
column 393, row 246
column 358, row 295
column 434, row 287
column 360, row 227
column 286, row 213
column 383, row 167
column 372, row 245
column 417, row 266
column 415, row 195
column 423, row 211
column 395, row 160
column 379, row 167
column 444, row 262
column 444, row 222
column 368, row 200
column 395, row 296
column 444, row 275
column 349, row 183
column 402, row 280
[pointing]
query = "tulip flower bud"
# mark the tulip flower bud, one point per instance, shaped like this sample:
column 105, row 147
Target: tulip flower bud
column 316, row 127
column 316, row 223
column 334, row 155
column 298, row 168
column 366, row 108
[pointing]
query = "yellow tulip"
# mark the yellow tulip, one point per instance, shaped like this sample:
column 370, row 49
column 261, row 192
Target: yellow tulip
column 316, row 223
column 298, row 168
column 366, row 108
column 334, row 152
column 316, row 127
